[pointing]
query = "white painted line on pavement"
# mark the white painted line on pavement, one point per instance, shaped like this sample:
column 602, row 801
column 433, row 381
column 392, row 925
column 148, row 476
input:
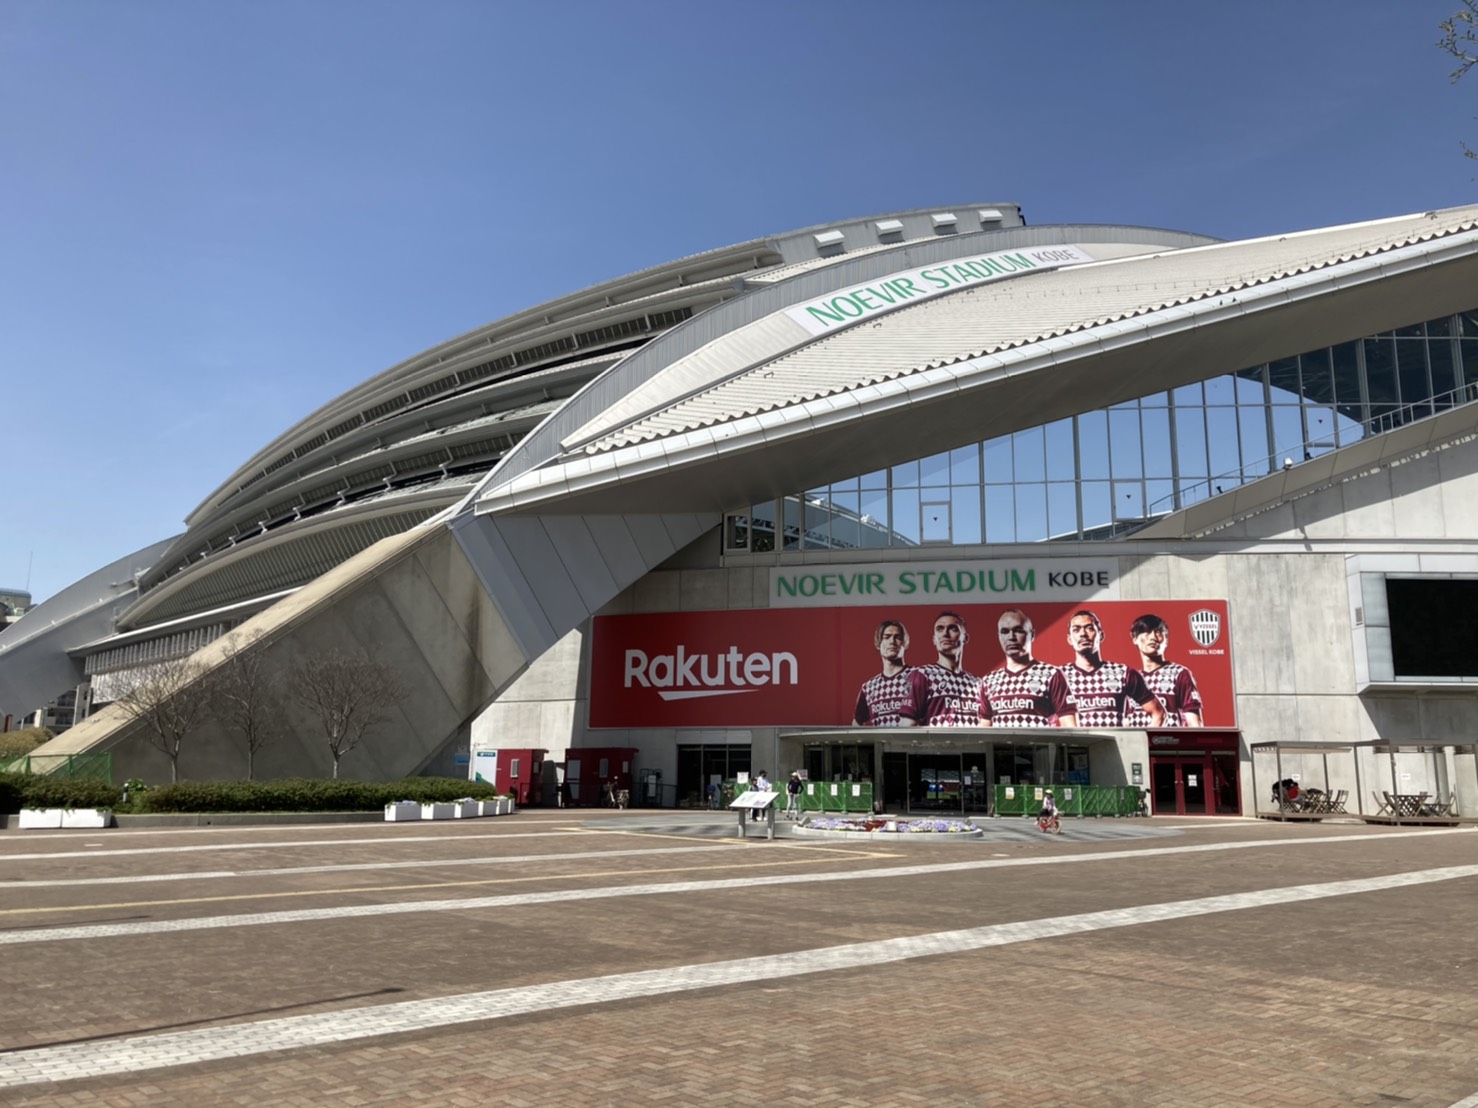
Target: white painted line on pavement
column 513, row 900
column 222, row 848
column 433, row 863
column 146, row 1052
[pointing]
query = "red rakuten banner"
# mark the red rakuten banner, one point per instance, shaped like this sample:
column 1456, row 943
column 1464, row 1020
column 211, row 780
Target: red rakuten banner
column 1114, row 663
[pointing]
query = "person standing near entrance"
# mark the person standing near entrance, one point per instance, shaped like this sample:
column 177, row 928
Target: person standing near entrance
column 793, row 796
column 895, row 697
column 953, row 691
column 1022, row 691
column 1105, row 691
column 1171, row 682
column 760, row 784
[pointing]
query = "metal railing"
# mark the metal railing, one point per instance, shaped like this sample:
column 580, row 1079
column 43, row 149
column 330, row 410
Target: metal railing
column 94, row 767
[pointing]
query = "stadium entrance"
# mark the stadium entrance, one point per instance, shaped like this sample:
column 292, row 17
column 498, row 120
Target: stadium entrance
column 937, row 772
column 1195, row 773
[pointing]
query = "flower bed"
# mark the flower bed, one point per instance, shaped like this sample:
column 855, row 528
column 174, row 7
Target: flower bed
column 890, row 826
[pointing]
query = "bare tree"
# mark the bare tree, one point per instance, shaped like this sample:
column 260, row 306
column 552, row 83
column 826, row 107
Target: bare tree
column 169, row 699
column 241, row 694
column 1460, row 41
column 349, row 696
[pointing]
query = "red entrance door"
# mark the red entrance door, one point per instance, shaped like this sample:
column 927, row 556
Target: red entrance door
column 1180, row 786
column 1194, row 785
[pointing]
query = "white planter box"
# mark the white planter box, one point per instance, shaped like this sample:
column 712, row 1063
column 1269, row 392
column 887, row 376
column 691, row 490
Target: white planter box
column 38, row 818
column 402, row 809
column 436, row 811
column 504, row 805
column 87, row 817
column 487, row 807
column 465, row 809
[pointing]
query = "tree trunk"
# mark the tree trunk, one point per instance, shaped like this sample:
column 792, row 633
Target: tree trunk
column 336, row 767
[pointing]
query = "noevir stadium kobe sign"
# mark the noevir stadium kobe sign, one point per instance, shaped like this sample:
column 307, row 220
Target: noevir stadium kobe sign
column 847, row 306
column 1013, row 580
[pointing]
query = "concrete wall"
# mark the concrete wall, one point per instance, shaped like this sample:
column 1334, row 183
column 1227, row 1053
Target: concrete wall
column 411, row 601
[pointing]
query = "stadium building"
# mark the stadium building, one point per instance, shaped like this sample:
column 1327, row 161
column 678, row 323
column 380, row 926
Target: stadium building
column 932, row 498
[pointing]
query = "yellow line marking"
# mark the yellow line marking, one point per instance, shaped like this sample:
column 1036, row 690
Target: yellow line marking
column 114, row 906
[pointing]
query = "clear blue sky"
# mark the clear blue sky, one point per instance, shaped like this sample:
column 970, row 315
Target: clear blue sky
column 218, row 216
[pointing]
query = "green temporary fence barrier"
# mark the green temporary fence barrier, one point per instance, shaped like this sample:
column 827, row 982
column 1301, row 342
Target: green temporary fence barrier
column 92, row 767
column 836, row 796
column 1072, row 800
column 817, row 797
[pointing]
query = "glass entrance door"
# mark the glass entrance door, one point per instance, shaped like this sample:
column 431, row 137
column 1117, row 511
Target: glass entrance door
column 1182, row 786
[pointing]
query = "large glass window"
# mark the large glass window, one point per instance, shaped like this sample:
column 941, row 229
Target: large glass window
column 1102, row 473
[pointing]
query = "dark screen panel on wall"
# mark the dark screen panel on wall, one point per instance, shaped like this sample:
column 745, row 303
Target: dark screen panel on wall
column 1434, row 626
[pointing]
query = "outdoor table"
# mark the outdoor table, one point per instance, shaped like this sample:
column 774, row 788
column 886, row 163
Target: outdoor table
column 1408, row 804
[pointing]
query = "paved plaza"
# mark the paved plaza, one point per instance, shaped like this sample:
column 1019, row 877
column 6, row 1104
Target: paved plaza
column 600, row 958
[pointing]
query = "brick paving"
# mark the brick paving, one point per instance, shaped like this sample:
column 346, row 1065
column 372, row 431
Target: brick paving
column 1360, row 998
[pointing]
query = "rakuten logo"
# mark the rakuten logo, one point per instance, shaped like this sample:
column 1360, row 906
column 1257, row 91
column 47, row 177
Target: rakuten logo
column 684, row 676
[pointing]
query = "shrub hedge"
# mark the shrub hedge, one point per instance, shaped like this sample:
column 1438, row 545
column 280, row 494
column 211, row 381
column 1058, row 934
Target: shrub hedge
column 19, row 791
column 25, row 790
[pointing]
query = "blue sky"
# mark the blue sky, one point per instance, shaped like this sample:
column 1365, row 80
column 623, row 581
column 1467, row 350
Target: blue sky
column 218, row 216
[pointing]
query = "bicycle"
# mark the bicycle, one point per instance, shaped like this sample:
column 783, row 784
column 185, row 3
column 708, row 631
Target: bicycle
column 1049, row 823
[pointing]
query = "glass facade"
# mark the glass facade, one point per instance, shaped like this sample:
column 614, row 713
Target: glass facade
column 1106, row 473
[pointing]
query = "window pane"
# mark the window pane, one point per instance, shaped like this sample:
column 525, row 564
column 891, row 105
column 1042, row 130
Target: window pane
column 1219, row 390
column 1028, row 448
column 998, row 461
column 1190, row 441
column 1318, row 379
column 1411, row 356
column 817, row 515
column 1221, row 437
column 1159, row 497
column 1380, row 371
column 1128, row 500
column 1000, row 514
column 1155, row 400
column 845, row 526
column 906, row 476
column 1062, row 509
column 875, row 510
column 1097, row 504
column 1031, row 512
column 1347, row 381
column 1249, row 386
column 1255, row 445
column 1093, row 441
column 1283, row 379
column 792, row 527
column 1288, row 433
column 877, row 479
column 906, row 515
column 1156, row 425
column 1470, row 360
column 934, row 470
column 965, row 513
column 1124, row 438
column 1189, row 394
column 1444, row 372
column 1439, row 328
column 849, row 485
column 762, row 527
column 1061, row 461
column 935, row 521
column 964, row 465
column 1412, row 331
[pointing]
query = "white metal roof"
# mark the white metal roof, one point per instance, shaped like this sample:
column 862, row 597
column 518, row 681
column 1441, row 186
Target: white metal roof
column 988, row 318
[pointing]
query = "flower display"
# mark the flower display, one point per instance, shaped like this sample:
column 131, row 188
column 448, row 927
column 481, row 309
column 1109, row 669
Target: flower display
column 896, row 826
